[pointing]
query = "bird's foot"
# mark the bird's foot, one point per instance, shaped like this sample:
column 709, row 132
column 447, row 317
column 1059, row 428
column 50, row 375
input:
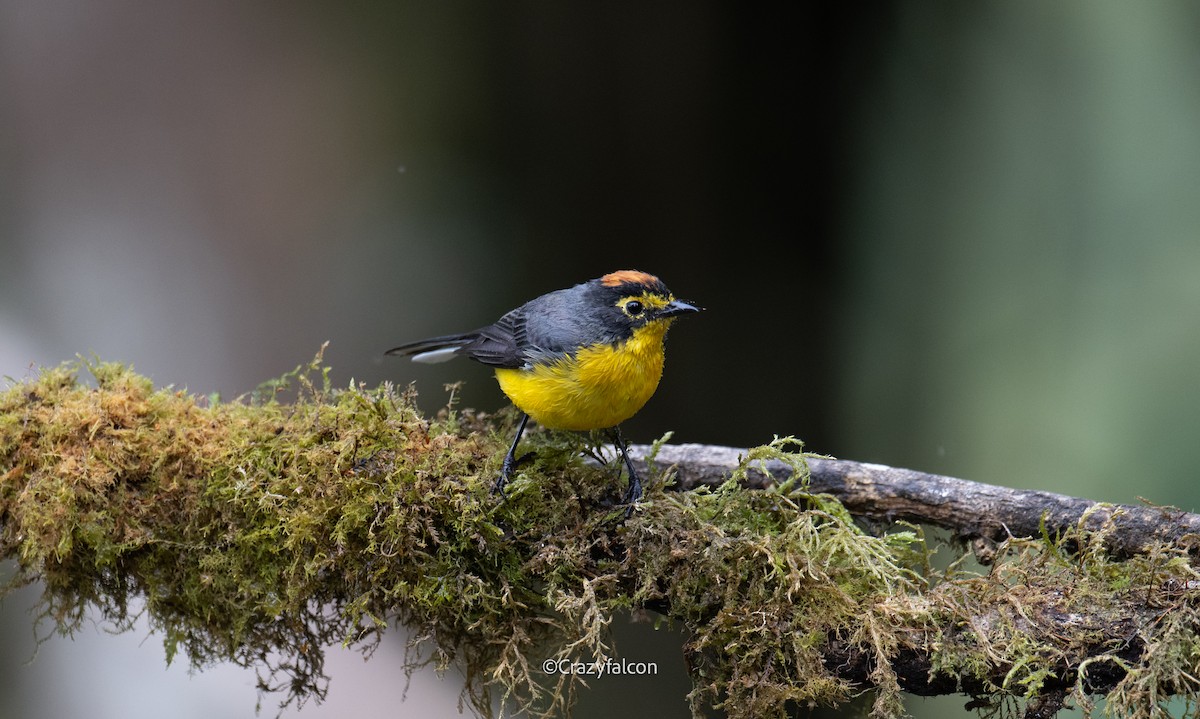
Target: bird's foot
column 507, row 469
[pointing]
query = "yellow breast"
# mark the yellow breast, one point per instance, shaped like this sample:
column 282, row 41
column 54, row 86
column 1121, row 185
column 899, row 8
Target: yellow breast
column 599, row 387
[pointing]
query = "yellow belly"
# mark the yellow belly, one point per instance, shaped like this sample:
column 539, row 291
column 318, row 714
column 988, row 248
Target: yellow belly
column 599, row 388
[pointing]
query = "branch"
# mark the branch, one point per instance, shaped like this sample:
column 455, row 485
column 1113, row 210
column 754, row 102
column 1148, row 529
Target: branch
column 259, row 532
column 970, row 510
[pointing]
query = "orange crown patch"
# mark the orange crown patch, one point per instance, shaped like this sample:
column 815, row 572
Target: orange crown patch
column 620, row 277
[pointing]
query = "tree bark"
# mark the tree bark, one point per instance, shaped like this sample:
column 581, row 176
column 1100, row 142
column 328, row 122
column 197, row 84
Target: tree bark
column 970, row 510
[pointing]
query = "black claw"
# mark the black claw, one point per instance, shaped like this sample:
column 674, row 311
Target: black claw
column 506, row 471
column 510, row 460
column 634, row 493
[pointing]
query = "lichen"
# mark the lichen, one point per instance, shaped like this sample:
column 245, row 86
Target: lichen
column 260, row 531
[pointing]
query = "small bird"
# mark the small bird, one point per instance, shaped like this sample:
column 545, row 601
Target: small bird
column 584, row 358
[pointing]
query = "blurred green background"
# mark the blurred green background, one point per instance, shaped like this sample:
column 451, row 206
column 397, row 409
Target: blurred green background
column 956, row 237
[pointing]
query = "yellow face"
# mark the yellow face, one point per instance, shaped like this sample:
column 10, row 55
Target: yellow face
column 638, row 307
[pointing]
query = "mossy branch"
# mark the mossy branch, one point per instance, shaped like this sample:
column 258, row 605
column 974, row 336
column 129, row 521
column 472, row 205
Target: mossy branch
column 972, row 511
column 260, row 532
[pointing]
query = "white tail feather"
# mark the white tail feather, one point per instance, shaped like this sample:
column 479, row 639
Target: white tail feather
column 441, row 354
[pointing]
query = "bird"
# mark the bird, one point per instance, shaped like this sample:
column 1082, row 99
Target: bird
column 583, row 358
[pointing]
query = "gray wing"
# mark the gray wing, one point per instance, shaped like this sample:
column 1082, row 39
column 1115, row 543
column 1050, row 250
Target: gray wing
column 541, row 330
column 499, row 344
column 559, row 323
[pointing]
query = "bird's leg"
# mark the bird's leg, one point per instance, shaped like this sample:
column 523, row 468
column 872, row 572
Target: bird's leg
column 510, row 459
column 635, row 484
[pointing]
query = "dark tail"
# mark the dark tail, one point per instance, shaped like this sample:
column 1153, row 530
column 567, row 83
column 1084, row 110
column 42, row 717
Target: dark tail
column 434, row 349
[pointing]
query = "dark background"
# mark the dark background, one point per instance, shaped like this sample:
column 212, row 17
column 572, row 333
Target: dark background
column 957, row 238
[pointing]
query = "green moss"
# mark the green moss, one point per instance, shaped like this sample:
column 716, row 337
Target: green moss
column 260, row 532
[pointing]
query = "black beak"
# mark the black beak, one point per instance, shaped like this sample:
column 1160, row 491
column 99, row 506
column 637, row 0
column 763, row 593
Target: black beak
column 677, row 307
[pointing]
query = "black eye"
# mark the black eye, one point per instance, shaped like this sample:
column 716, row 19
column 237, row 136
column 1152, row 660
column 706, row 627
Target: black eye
column 633, row 308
